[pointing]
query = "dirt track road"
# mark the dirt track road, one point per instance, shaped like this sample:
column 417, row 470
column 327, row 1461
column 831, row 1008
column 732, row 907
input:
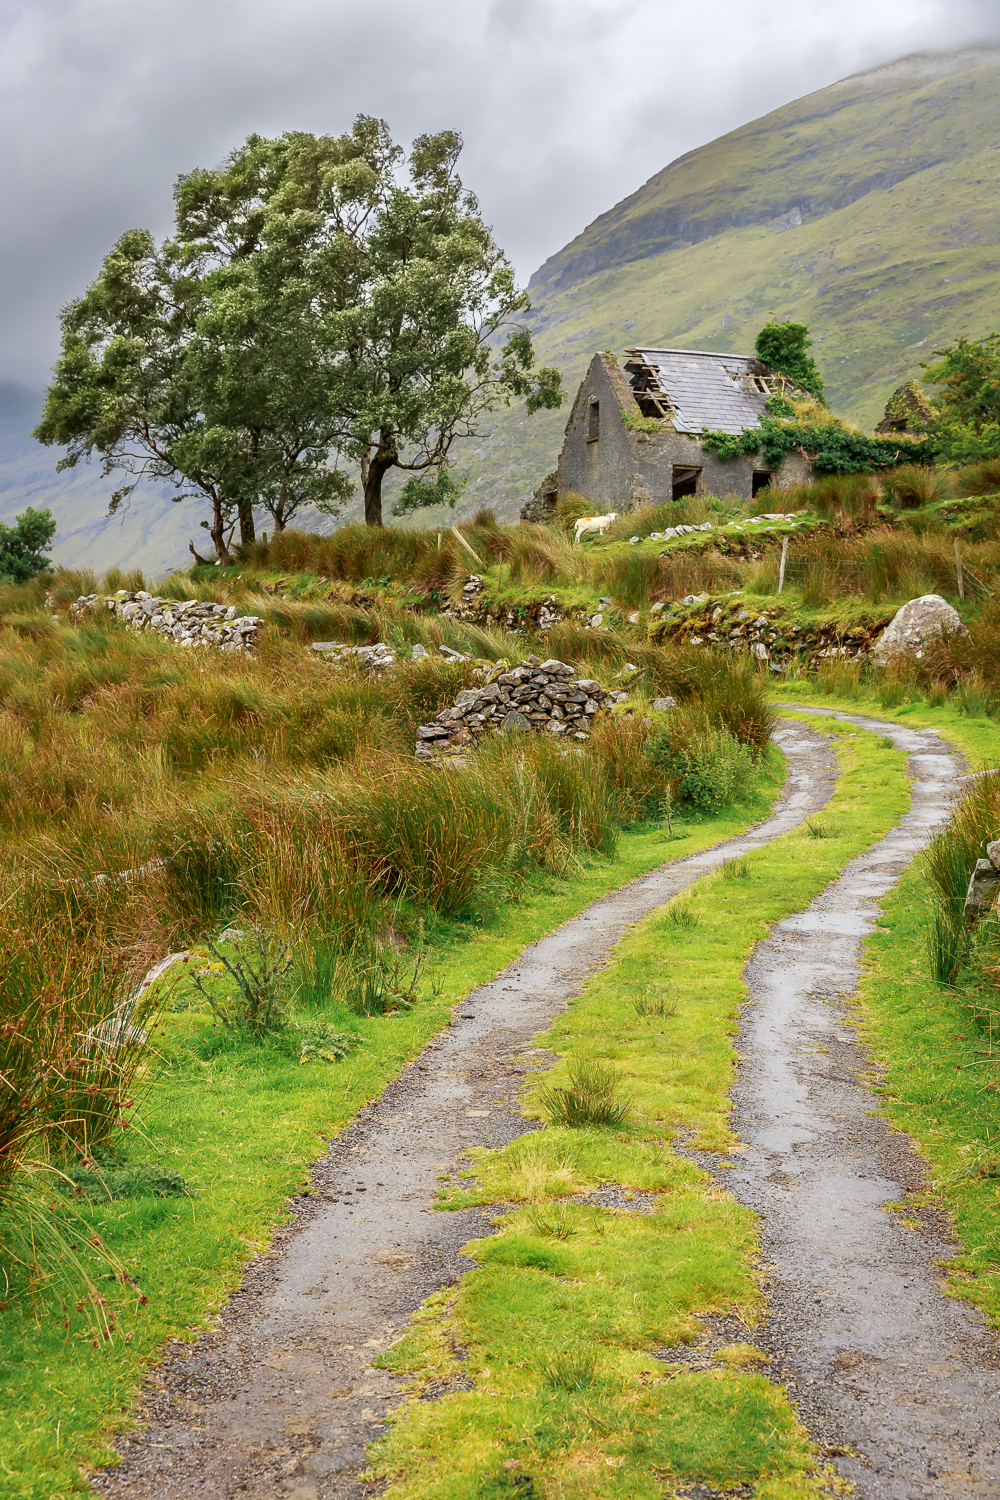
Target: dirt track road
column 281, row 1399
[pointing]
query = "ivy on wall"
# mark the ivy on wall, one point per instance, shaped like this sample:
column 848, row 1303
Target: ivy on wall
column 830, row 448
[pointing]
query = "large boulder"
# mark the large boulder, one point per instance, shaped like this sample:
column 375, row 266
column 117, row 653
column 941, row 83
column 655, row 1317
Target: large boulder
column 915, row 625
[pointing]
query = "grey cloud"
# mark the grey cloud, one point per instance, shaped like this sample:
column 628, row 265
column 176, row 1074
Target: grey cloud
column 565, row 105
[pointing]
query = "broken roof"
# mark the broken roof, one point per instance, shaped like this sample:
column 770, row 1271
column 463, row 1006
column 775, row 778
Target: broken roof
column 697, row 389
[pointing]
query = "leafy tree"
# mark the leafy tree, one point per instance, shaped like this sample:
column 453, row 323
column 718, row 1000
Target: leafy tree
column 202, row 362
column 427, row 298
column 421, row 491
column 782, row 347
column 22, row 546
column 966, row 421
column 310, row 308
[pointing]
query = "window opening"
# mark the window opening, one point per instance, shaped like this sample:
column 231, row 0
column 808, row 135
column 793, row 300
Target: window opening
column 761, row 481
column 684, row 481
column 594, row 422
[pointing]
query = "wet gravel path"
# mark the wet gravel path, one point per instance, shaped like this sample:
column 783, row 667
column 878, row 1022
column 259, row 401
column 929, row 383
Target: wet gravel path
column 282, row 1400
column 901, row 1383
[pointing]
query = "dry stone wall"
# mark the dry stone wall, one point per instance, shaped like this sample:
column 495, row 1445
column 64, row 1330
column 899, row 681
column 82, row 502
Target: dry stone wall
column 544, row 696
column 186, row 622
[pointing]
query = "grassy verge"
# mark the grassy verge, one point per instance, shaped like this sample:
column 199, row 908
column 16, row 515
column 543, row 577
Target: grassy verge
column 558, row 1329
column 240, row 1125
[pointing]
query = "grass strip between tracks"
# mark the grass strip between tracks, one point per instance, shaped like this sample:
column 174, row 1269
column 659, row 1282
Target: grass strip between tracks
column 240, row 1124
column 544, row 1361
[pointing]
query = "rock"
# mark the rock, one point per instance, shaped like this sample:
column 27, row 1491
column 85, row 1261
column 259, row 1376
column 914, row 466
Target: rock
column 419, row 651
column 515, row 723
column 663, row 705
column 993, row 854
column 915, row 625
column 982, row 887
column 325, row 646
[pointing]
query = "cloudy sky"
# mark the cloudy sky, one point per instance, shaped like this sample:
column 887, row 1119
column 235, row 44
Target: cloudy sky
column 565, row 105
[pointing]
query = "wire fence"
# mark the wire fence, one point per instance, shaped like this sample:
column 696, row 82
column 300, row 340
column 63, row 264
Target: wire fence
column 803, row 566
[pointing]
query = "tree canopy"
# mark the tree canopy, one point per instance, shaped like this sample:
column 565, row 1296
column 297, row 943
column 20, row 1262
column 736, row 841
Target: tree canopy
column 22, row 546
column 965, row 426
column 317, row 308
column 782, row 347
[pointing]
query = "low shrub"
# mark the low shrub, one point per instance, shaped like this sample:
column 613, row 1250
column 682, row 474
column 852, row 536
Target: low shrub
column 258, row 981
column 707, row 766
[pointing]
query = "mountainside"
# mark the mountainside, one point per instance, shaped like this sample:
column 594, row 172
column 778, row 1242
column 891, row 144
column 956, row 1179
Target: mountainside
column 866, row 210
column 152, row 534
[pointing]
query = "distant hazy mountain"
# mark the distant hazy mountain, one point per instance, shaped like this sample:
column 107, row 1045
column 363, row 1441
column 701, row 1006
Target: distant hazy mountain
column 867, row 210
column 152, row 535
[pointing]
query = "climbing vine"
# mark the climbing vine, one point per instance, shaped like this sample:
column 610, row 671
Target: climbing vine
column 830, row 448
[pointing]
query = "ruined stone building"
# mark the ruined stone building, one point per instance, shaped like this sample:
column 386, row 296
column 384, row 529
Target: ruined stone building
column 686, row 391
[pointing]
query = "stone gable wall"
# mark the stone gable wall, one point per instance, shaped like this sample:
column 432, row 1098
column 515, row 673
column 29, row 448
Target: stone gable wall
column 624, row 469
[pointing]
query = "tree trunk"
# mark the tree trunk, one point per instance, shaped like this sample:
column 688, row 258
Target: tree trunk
column 378, row 467
column 247, row 532
column 218, row 533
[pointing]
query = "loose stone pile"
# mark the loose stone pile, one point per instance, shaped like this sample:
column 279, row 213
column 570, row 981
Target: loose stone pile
column 545, row 696
column 187, row 622
column 377, row 658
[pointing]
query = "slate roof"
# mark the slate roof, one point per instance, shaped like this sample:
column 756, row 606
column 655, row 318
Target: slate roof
column 718, row 391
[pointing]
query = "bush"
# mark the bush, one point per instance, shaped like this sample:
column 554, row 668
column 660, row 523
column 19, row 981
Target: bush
column 707, row 766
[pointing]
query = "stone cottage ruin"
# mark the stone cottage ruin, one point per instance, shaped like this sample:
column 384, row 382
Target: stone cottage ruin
column 617, row 467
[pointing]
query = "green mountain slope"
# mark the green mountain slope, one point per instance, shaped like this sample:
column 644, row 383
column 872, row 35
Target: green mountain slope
column 867, row 210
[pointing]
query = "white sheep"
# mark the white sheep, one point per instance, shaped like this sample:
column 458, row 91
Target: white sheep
column 599, row 524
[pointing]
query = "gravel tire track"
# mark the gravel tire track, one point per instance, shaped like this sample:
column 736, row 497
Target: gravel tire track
column 281, row 1399
column 897, row 1381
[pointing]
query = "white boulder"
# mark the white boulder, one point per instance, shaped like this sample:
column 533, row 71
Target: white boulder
column 915, row 625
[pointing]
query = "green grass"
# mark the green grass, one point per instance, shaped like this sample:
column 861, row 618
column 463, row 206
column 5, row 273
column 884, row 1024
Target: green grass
column 240, row 1122
column 590, row 1293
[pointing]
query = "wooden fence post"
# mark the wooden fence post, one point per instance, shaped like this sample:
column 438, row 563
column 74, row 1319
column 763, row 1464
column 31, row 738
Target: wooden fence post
column 781, row 570
column 958, row 570
column 460, row 538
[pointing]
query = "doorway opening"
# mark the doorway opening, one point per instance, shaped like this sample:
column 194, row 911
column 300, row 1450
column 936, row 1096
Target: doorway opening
column 761, row 481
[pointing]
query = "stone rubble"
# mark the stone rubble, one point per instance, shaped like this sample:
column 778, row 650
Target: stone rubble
column 545, row 696
column 187, row 622
column 377, row 658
